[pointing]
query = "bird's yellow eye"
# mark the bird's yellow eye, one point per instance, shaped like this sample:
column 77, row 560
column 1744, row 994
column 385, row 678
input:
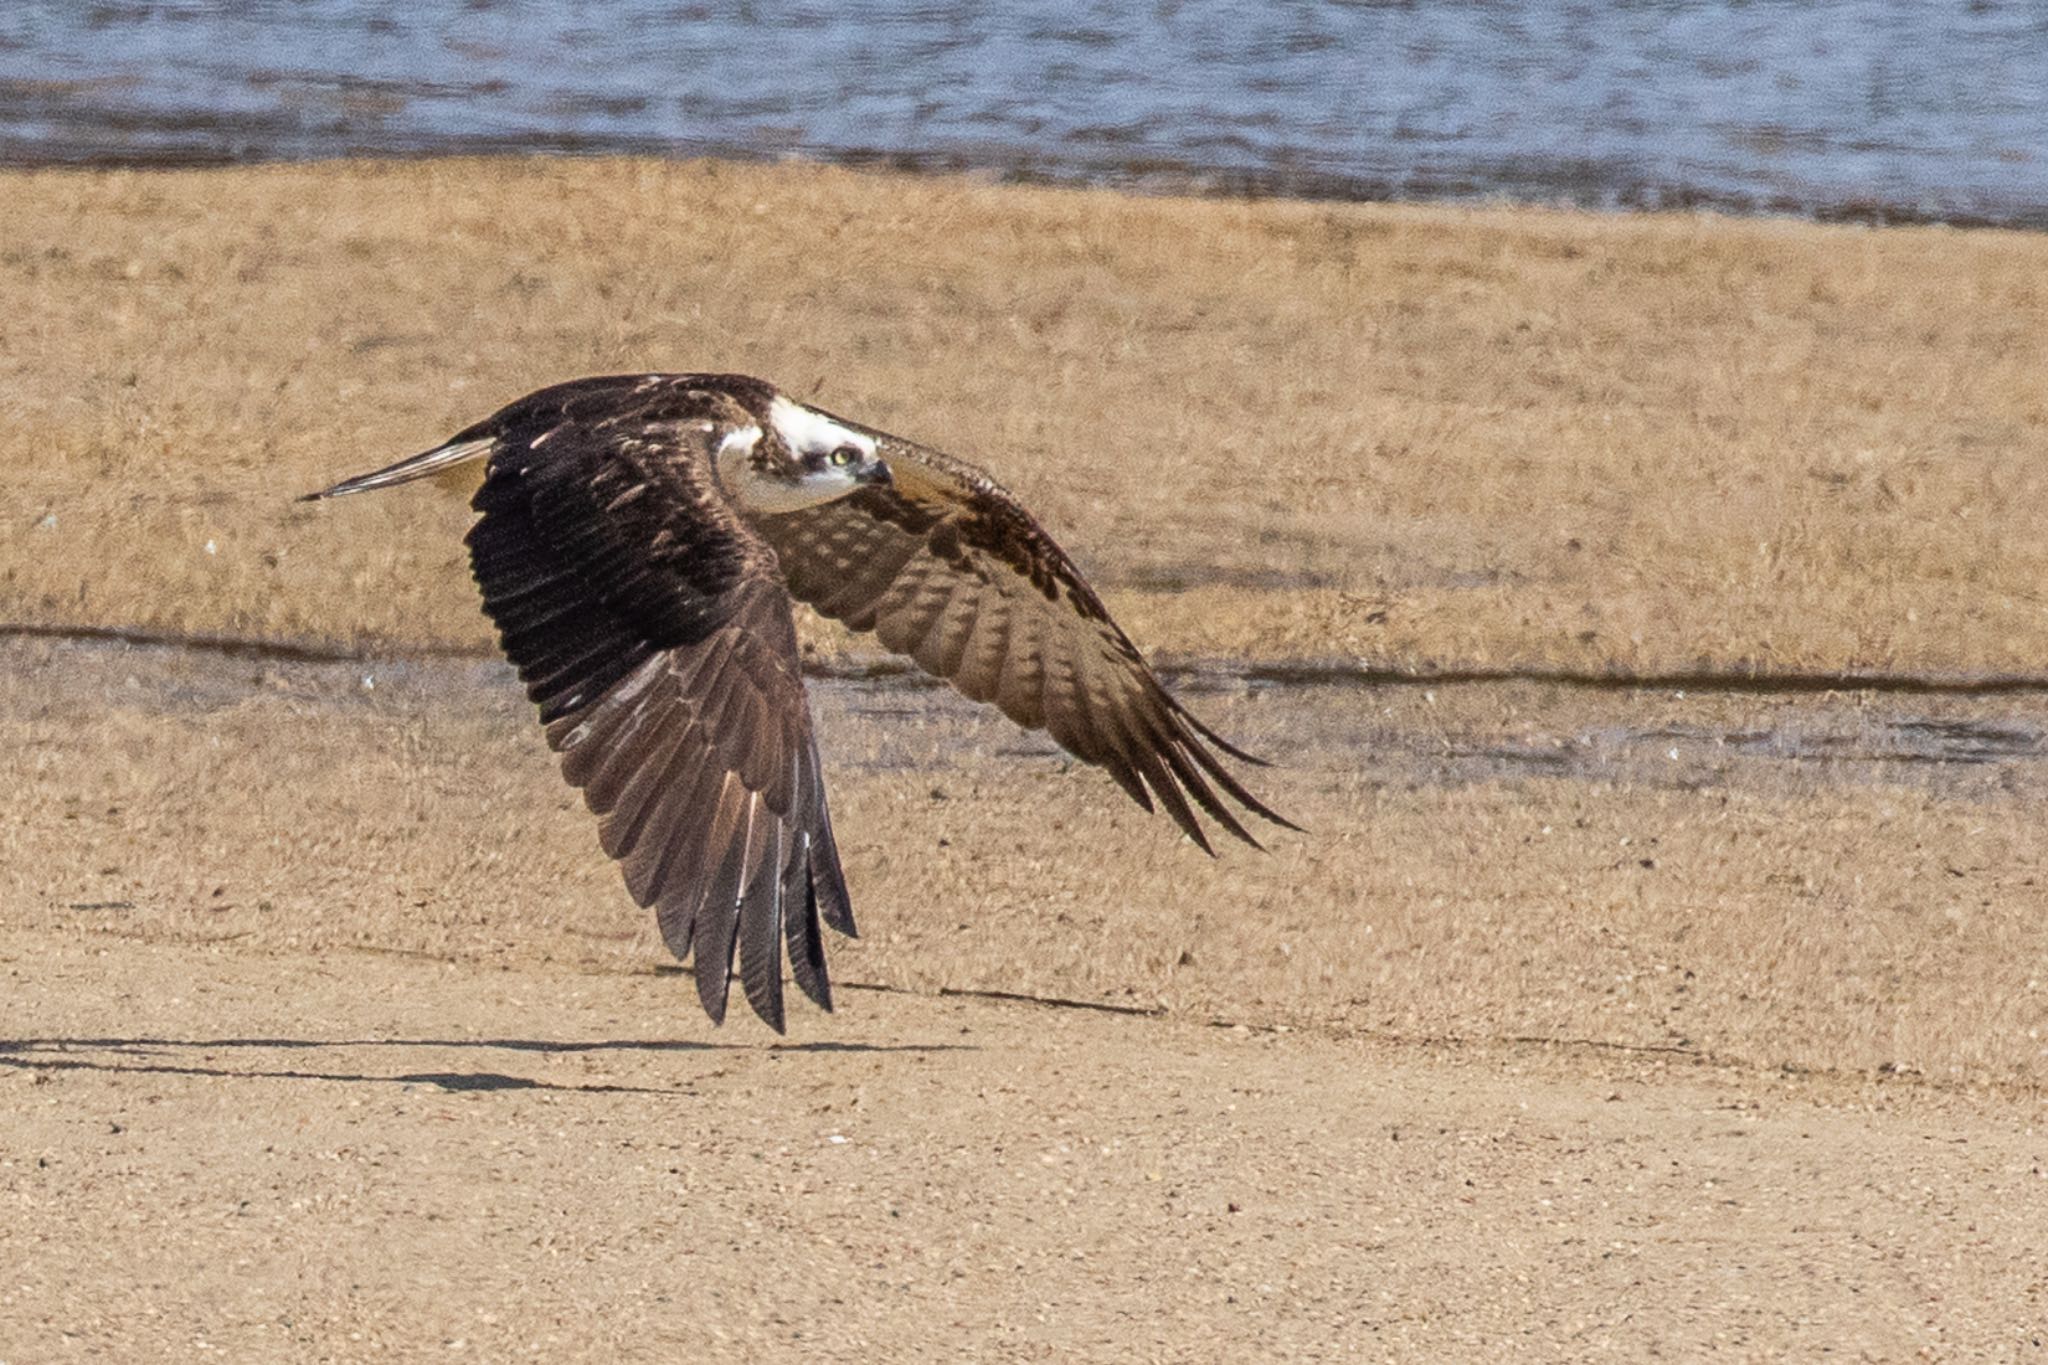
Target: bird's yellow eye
column 843, row 457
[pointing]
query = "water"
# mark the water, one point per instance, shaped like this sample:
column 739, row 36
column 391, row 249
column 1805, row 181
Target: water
column 1833, row 108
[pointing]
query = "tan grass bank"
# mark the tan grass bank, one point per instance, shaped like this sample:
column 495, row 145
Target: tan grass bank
column 1406, row 436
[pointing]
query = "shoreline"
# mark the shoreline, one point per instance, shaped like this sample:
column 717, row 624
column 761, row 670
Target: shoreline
column 1152, row 179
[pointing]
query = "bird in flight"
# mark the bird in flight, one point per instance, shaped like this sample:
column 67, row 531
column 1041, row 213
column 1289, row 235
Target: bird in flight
column 640, row 540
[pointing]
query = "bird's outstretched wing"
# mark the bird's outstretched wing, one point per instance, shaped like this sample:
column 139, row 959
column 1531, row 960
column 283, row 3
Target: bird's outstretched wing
column 651, row 629
column 947, row 567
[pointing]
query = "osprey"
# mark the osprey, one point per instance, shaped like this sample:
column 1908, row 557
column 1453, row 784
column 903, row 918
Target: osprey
column 639, row 542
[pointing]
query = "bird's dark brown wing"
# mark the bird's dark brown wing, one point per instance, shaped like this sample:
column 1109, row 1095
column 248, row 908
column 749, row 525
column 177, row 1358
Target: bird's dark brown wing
column 945, row 566
column 651, row 629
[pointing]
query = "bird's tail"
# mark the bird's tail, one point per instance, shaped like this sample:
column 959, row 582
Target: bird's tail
column 416, row 467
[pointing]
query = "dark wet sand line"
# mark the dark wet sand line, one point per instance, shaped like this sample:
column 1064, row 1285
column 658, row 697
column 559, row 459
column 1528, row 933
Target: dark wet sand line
column 1335, row 672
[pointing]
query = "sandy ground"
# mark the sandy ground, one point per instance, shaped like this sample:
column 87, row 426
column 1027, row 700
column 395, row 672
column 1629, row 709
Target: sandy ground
column 1585, row 1022
column 328, row 1035
column 216, row 1153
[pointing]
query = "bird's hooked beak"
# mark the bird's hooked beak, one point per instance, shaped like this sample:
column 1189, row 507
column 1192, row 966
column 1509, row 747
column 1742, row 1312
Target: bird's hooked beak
column 878, row 472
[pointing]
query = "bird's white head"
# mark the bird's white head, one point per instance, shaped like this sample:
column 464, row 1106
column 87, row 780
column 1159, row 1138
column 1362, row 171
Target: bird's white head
column 813, row 458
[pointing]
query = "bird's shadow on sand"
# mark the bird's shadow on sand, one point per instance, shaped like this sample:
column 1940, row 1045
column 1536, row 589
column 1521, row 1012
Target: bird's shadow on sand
column 156, row 1056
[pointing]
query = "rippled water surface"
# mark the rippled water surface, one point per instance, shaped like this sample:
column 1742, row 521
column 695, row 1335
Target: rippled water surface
column 1856, row 108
